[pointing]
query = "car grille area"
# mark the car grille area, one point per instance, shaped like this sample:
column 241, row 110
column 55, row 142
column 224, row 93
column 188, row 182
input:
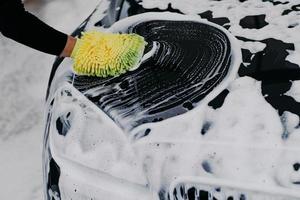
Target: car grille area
column 221, row 192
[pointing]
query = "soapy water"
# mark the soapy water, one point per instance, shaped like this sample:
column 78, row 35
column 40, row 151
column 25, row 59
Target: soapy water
column 170, row 82
column 241, row 141
column 282, row 18
column 96, row 152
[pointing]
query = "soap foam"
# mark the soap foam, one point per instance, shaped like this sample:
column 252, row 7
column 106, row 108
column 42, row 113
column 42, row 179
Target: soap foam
column 235, row 11
column 243, row 141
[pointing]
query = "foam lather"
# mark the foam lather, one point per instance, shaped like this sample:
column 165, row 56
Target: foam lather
column 192, row 59
column 107, row 54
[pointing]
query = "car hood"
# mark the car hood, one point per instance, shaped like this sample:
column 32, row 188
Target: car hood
column 182, row 116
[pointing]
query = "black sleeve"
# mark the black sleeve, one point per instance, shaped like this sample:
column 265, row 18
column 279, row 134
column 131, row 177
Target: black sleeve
column 23, row 27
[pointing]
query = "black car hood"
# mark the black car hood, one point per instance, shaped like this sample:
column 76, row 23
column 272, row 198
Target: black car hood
column 191, row 58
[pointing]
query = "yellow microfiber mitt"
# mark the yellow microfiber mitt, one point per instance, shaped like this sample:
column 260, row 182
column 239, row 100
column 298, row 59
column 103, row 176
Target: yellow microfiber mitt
column 107, row 54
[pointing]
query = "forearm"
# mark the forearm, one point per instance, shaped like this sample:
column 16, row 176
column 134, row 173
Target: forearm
column 68, row 47
column 23, row 27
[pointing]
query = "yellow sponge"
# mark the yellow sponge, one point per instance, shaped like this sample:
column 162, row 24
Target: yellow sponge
column 107, row 54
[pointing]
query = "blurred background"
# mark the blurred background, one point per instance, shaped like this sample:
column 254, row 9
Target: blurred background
column 23, row 80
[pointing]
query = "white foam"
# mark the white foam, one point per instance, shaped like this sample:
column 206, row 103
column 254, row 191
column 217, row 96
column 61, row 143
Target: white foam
column 243, row 142
column 235, row 11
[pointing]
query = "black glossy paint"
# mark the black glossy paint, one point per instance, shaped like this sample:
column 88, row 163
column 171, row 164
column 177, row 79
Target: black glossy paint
column 53, row 179
column 253, row 22
column 63, row 124
column 222, row 21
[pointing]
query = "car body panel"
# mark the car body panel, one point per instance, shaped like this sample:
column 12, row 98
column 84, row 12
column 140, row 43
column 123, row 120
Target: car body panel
column 138, row 136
